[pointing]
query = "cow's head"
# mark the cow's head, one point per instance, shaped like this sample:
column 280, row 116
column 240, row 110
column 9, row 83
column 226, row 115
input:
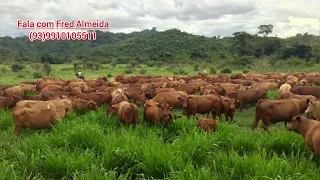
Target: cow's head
column 311, row 106
column 92, row 105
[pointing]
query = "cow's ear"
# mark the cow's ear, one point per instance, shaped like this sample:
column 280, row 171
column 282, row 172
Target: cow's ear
column 189, row 98
column 298, row 118
column 308, row 100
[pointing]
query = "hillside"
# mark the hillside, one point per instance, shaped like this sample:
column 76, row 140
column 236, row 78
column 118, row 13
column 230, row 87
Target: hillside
column 165, row 46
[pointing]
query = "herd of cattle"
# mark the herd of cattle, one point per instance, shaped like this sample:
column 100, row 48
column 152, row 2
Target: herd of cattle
column 219, row 94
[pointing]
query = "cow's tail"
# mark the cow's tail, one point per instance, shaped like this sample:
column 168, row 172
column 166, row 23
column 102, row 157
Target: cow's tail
column 135, row 114
column 257, row 115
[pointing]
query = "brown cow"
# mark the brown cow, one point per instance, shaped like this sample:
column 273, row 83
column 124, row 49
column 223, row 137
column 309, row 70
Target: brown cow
column 28, row 87
column 76, row 91
column 174, row 98
column 248, row 96
column 277, row 110
column 309, row 129
column 14, row 91
column 160, row 90
column 128, row 112
column 8, row 102
column 154, row 112
column 266, row 85
column 119, row 95
column 99, row 97
column 306, row 90
column 35, row 119
column 63, row 106
column 228, row 107
column 203, row 105
column 208, row 125
column 314, row 108
column 81, row 104
column 290, row 95
column 140, row 99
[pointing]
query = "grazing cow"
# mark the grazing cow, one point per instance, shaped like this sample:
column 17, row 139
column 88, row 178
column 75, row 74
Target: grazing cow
column 314, row 108
column 76, row 91
column 173, row 98
column 277, row 110
column 189, row 89
column 154, row 112
column 49, row 95
column 8, row 102
column 309, row 129
column 128, row 112
column 35, row 118
column 248, row 96
column 306, row 90
column 28, row 87
column 203, row 105
column 266, row 85
column 284, row 88
column 119, row 95
column 140, row 99
column 290, row 95
column 81, row 104
column 14, row 91
column 63, row 106
column 99, row 97
column 208, row 125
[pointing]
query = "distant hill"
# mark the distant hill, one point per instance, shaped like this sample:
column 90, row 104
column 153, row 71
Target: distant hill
column 166, row 46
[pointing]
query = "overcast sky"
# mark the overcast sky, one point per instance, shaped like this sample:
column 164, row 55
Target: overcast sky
column 202, row 17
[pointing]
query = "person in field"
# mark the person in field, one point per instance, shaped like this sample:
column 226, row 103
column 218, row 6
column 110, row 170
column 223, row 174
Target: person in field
column 79, row 75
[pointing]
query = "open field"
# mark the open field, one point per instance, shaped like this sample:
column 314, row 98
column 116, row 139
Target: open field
column 92, row 145
column 66, row 71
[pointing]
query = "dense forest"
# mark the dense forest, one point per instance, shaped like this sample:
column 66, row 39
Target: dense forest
column 170, row 46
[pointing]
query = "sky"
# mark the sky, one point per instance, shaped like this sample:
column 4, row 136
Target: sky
column 202, row 17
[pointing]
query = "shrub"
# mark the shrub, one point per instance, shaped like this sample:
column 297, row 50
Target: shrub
column 109, row 75
column 133, row 63
column 114, row 63
column 75, row 66
column 294, row 61
column 47, row 68
column 212, row 70
column 36, row 66
column 16, row 67
column 143, row 70
column 196, row 67
column 226, row 71
column 180, row 71
column 245, row 71
column 3, row 70
column 128, row 70
column 37, row 75
column 21, row 75
column 151, row 63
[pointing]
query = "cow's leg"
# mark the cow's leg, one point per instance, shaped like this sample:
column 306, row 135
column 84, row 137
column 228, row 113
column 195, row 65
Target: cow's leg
column 241, row 105
column 285, row 124
column 255, row 122
column 214, row 114
column 17, row 130
column 226, row 117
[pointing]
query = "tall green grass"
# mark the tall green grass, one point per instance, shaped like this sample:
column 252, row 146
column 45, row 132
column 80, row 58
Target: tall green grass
column 94, row 145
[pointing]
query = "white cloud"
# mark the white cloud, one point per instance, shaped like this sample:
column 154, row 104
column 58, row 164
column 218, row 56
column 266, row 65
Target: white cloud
column 203, row 17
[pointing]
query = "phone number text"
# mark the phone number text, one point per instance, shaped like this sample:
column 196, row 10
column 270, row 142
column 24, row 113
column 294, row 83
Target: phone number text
column 51, row 36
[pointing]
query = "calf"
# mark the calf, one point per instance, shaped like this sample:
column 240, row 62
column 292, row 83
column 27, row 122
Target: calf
column 208, row 125
column 309, row 129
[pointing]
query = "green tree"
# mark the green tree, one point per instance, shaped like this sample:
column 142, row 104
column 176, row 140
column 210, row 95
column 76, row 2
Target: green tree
column 265, row 30
column 47, row 68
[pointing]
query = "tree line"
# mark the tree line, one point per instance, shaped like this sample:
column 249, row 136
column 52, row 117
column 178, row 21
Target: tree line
column 150, row 46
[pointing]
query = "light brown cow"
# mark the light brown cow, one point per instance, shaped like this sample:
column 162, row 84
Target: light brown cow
column 81, row 104
column 314, row 108
column 28, row 87
column 35, row 118
column 284, row 88
column 14, row 91
column 309, row 129
column 174, row 98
